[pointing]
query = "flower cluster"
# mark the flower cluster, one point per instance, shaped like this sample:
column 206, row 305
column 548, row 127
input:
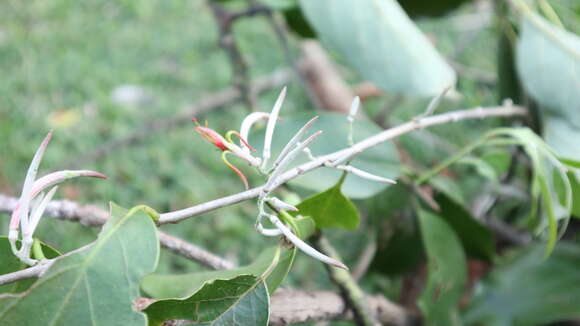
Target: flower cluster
column 296, row 145
column 33, row 202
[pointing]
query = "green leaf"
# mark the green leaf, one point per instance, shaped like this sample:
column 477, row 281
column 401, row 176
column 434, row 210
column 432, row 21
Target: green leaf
column 297, row 22
column 475, row 237
column 331, row 208
column 552, row 77
column 242, row 300
column 12, row 264
column 382, row 43
column 499, row 160
column 570, row 163
column 381, row 160
column 447, row 271
column 481, row 166
column 404, row 246
column 183, row 285
column 94, row 285
column 527, row 289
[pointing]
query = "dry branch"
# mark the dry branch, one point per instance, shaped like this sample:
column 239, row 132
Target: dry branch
column 91, row 215
column 296, row 306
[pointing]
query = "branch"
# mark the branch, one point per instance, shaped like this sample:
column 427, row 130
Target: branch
column 208, row 103
column 227, row 40
column 31, row 272
column 296, row 306
column 91, row 215
column 352, row 293
column 419, row 123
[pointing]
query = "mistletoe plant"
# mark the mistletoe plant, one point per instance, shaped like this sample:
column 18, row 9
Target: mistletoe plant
column 297, row 145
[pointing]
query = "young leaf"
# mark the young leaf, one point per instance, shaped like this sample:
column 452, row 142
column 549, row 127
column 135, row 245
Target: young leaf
column 331, row 208
column 447, row 271
column 382, row 43
column 526, row 289
column 11, row 263
column 184, row 285
column 94, row 285
column 243, row 300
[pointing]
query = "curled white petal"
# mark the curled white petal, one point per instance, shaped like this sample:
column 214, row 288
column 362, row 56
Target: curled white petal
column 353, row 109
column 284, row 163
column 55, row 178
column 364, row 174
column 247, row 125
column 270, row 128
column 38, row 211
column 27, row 189
column 268, row 232
column 241, row 153
column 279, row 204
column 303, row 246
column 295, row 139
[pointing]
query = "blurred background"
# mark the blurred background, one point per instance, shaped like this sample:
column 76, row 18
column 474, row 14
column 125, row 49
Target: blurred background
column 119, row 81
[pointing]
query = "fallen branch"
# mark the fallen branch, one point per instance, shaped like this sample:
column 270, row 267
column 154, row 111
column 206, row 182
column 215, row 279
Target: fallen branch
column 418, row 123
column 91, row 215
column 296, row 306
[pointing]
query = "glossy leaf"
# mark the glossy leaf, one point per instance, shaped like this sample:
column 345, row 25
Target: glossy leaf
column 95, row 285
column 447, row 273
column 382, row 43
column 12, row 264
column 552, row 77
column 242, row 300
column 527, row 289
column 474, row 236
column 331, row 208
column 183, row 285
column 381, row 160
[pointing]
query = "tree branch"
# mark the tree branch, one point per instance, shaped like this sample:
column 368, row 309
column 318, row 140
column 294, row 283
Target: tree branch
column 31, row 272
column 295, row 306
column 91, row 215
column 419, row 123
column 227, row 40
column 350, row 290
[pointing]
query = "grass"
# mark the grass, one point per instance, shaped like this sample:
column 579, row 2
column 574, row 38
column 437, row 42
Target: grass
column 61, row 60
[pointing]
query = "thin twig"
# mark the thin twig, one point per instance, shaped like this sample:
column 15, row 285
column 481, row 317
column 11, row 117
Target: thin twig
column 91, row 215
column 282, row 35
column 352, row 293
column 365, row 259
column 227, row 40
column 31, row 272
column 478, row 113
